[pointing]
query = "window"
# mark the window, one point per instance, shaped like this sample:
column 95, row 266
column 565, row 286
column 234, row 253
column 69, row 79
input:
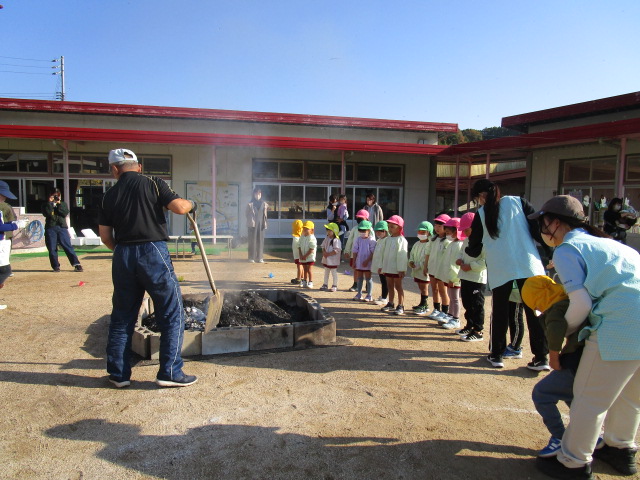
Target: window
column 315, row 202
column 95, row 164
column 603, row 170
column 263, row 169
column 368, row 173
column 591, row 170
column 390, row 174
column 8, row 162
column 34, row 162
column 389, row 200
column 75, row 163
column 291, row 201
column 577, row 171
column 633, row 168
column 160, row 166
column 271, row 195
column 291, row 170
column 320, row 171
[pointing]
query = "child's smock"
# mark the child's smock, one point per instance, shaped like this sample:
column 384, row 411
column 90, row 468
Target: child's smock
column 395, row 255
column 331, row 245
column 447, row 268
column 418, row 254
column 306, row 243
column 376, row 260
column 294, row 246
column 478, row 272
column 435, row 258
column 364, row 248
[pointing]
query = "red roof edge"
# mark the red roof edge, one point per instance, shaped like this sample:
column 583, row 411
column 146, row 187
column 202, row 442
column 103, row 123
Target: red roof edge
column 229, row 115
column 517, row 122
column 212, row 139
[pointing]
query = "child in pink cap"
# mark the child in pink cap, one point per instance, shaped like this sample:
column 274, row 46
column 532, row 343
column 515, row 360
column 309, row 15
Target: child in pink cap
column 394, row 262
column 438, row 288
column 473, row 280
column 448, row 273
column 348, row 248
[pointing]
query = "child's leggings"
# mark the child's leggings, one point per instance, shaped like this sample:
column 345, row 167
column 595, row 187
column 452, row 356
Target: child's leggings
column 383, row 284
column 454, row 301
column 334, row 275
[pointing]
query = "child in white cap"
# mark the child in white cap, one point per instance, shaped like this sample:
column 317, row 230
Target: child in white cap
column 331, row 248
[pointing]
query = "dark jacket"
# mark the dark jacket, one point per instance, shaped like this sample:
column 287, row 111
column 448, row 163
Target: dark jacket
column 55, row 214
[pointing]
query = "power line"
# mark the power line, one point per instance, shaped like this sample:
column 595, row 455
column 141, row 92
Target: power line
column 26, row 73
column 28, row 59
column 23, row 66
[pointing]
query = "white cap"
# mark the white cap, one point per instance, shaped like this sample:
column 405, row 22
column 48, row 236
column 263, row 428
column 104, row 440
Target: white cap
column 118, row 156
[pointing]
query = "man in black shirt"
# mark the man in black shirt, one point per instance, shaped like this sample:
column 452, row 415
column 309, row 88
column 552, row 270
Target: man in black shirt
column 133, row 225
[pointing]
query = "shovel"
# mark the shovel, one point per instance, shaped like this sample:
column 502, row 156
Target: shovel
column 215, row 301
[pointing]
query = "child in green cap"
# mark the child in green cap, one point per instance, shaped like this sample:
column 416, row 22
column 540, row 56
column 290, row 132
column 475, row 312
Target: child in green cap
column 382, row 232
column 417, row 260
column 362, row 251
column 331, row 248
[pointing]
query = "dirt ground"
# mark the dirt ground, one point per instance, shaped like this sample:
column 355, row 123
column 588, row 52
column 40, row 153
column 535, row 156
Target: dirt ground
column 406, row 400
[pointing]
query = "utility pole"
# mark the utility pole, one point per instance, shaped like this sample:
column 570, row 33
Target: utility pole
column 60, row 94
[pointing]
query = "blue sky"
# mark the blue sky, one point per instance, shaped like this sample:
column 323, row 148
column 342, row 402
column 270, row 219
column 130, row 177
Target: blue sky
column 465, row 62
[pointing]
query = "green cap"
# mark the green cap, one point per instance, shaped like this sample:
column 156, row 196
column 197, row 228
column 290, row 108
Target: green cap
column 381, row 226
column 426, row 226
column 364, row 225
column 334, row 228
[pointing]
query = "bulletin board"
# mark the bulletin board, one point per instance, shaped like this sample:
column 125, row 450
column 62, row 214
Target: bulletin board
column 227, row 207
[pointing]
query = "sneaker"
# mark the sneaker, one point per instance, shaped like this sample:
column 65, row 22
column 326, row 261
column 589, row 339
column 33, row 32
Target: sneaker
column 552, row 467
column 399, row 310
column 538, row 365
column 334, row 288
column 78, row 268
column 354, row 288
column 358, row 297
column 388, row 307
column 183, row 381
column 2, row 307
column 511, row 352
column 261, row 261
column 443, row 318
column 324, row 287
column 56, row 269
column 424, row 310
column 434, row 314
column 303, row 283
column 381, row 301
column 119, row 383
column 295, row 281
column 552, row 448
column 252, row 261
column 495, row 362
column 621, row 459
column 417, row 307
column 368, row 298
column 473, row 337
column 451, row 324
column 309, row 284
column 464, row 331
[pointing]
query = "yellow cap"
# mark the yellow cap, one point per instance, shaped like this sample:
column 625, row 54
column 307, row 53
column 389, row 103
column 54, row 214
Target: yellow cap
column 296, row 228
column 540, row 292
column 308, row 224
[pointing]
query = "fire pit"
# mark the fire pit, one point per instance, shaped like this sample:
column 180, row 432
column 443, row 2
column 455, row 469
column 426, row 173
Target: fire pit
column 251, row 320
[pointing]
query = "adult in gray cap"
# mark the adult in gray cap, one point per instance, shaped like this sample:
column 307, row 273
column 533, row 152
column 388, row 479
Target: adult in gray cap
column 56, row 231
column 602, row 279
column 132, row 224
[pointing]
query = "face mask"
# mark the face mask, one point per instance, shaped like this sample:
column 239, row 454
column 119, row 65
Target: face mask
column 617, row 208
column 423, row 237
column 380, row 235
column 364, row 234
column 451, row 237
column 334, row 204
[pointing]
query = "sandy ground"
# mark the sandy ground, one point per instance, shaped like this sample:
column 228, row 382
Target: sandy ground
column 406, row 400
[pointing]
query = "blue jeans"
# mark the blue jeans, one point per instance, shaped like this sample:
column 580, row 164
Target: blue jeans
column 54, row 236
column 556, row 386
column 138, row 268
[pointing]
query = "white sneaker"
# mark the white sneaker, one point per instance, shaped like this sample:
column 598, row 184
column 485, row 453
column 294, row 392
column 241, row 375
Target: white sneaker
column 434, row 314
column 2, row 307
column 303, row 283
column 309, row 284
column 381, row 301
column 451, row 324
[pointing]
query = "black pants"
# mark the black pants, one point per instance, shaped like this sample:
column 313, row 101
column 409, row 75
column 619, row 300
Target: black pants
column 500, row 323
column 472, row 295
column 385, row 289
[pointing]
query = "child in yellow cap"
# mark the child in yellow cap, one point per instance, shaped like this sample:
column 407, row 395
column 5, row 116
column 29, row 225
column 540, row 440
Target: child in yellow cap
column 541, row 293
column 331, row 248
column 307, row 247
column 296, row 231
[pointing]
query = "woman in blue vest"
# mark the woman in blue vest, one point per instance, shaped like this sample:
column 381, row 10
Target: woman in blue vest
column 502, row 229
column 602, row 278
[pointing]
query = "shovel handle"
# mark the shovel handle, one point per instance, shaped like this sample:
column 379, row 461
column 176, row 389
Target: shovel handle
column 202, row 252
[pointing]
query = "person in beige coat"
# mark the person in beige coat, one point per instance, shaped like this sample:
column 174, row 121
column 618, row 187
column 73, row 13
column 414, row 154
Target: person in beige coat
column 256, row 213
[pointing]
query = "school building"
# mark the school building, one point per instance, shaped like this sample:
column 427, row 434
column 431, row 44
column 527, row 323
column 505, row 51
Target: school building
column 217, row 157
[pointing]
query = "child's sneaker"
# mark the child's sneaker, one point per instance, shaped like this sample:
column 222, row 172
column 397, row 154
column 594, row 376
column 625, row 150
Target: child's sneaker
column 463, row 332
column 422, row 310
column 511, row 352
column 368, row 298
column 354, row 288
column 399, row 310
column 334, row 288
column 388, row 307
column 309, row 284
column 443, row 318
column 324, row 287
column 381, row 301
column 452, row 324
column 552, row 448
column 358, row 297
column 303, row 283
column 295, row 281
column 434, row 314
column 473, row 337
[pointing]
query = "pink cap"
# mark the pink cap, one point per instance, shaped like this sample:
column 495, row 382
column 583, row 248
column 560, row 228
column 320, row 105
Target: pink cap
column 363, row 214
column 454, row 222
column 442, row 218
column 398, row 220
column 466, row 220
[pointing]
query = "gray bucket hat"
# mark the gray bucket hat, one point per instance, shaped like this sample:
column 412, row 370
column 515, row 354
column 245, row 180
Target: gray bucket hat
column 4, row 190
